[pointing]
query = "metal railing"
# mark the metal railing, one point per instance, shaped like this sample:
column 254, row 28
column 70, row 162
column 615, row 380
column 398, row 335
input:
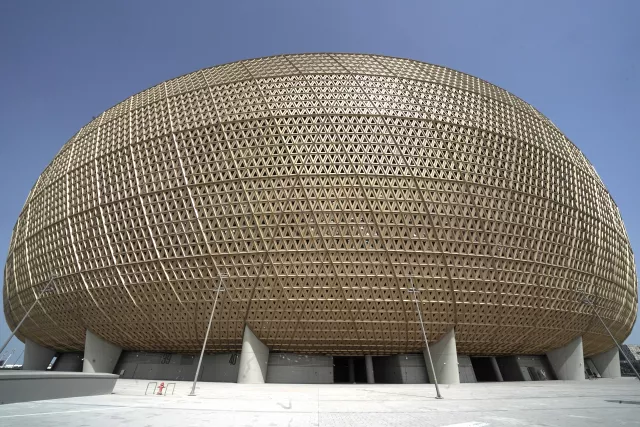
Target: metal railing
column 155, row 385
column 173, row 389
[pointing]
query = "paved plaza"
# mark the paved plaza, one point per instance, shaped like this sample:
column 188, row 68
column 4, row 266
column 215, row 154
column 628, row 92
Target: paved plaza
column 553, row 403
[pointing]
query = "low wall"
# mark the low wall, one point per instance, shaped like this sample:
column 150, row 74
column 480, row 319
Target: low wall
column 25, row 386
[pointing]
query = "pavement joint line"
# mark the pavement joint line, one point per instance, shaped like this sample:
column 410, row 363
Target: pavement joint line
column 496, row 397
column 430, row 410
column 35, row 414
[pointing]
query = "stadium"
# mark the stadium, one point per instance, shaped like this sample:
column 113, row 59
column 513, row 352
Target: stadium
column 316, row 191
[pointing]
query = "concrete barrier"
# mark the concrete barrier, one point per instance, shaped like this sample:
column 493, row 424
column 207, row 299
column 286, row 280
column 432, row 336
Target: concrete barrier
column 25, row 386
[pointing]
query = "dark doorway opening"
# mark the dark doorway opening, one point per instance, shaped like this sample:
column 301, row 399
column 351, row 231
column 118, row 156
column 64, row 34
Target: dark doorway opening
column 341, row 369
column 483, row 368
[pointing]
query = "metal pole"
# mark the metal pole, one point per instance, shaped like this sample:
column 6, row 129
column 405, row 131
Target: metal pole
column 8, row 357
column 413, row 291
column 18, row 359
column 51, row 281
column 204, row 344
column 588, row 301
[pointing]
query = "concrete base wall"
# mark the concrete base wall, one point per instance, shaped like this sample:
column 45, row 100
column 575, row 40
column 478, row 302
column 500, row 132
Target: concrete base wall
column 388, row 371
column 99, row 355
column 289, row 368
column 36, row 357
column 68, row 362
column 254, row 359
column 568, row 361
column 510, row 368
column 26, row 386
column 608, row 363
column 525, row 368
column 535, row 368
column 465, row 370
column 400, row 369
column 309, row 369
column 177, row 367
column 445, row 360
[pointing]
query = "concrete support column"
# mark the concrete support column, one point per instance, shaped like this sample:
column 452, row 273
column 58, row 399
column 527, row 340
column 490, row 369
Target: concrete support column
column 368, row 361
column 352, row 371
column 36, row 357
column 254, row 359
column 568, row 361
column 445, row 360
column 100, row 356
column 608, row 363
column 496, row 369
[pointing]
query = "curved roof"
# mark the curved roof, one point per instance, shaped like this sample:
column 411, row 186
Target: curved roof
column 321, row 183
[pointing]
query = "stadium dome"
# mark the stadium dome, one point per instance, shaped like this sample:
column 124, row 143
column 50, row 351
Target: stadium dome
column 323, row 186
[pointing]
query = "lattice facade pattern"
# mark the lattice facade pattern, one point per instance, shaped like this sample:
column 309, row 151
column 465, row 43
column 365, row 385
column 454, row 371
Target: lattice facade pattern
column 321, row 183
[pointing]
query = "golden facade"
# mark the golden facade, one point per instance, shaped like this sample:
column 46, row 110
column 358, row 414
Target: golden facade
column 321, row 184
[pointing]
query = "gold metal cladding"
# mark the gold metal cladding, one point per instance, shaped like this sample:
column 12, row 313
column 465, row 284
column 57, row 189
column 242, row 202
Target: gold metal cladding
column 321, row 183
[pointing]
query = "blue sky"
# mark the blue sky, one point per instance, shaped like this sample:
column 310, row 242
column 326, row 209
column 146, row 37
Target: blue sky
column 61, row 63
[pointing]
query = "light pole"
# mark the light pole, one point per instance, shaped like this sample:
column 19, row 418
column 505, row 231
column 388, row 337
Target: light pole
column 413, row 291
column 204, row 344
column 587, row 301
column 46, row 288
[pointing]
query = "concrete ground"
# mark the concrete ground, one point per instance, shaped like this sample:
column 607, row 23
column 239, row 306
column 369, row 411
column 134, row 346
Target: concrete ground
column 551, row 403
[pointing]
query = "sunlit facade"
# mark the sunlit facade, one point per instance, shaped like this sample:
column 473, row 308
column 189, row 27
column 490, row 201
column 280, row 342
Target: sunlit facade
column 323, row 185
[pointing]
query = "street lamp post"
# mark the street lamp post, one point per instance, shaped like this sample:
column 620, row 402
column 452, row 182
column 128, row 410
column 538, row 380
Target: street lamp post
column 204, row 344
column 587, row 301
column 413, row 291
column 46, row 289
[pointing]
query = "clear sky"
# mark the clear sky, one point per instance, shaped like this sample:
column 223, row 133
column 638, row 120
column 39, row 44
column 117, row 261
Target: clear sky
column 61, row 63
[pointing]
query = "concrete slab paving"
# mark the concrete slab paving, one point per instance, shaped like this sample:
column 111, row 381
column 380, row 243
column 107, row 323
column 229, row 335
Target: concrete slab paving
column 552, row 403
